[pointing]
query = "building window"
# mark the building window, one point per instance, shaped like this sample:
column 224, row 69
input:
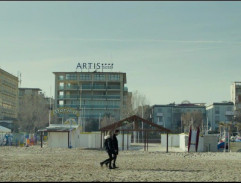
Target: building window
column 85, row 77
column 61, row 86
column 159, row 110
column 71, row 76
column 229, row 108
column 61, row 77
column 99, row 77
column 114, row 77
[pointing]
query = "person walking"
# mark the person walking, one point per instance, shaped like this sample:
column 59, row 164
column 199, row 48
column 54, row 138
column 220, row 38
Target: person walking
column 115, row 146
column 108, row 144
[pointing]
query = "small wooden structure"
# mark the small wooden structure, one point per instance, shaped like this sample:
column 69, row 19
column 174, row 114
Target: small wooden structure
column 62, row 135
column 133, row 123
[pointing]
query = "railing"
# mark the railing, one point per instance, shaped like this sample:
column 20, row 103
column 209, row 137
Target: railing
column 72, row 87
column 86, row 87
column 68, row 96
column 105, row 97
column 113, row 87
column 69, row 105
column 100, row 106
column 100, row 87
column 101, row 96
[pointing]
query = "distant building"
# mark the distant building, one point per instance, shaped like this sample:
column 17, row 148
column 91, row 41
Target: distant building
column 169, row 116
column 236, row 95
column 219, row 112
column 94, row 94
column 8, row 96
column 29, row 91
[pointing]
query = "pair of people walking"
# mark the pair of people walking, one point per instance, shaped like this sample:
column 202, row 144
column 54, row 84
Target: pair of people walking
column 111, row 147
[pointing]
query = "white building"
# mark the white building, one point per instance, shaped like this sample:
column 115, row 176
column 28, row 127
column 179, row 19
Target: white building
column 219, row 112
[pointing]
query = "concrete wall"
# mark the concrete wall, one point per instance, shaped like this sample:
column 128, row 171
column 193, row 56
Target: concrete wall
column 173, row 140
column 210, row 143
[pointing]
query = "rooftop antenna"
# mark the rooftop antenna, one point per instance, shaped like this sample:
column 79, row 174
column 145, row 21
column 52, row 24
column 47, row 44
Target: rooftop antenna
column 111, row 61
column 20, row 80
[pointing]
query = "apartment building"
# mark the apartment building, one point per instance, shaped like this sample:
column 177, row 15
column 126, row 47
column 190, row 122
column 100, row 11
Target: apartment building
column 8, row 96
column 169, row 116
column 94, row 94
column 219, row 112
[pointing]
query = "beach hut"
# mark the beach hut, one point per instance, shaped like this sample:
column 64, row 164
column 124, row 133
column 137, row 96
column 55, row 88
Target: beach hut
column 60, row 135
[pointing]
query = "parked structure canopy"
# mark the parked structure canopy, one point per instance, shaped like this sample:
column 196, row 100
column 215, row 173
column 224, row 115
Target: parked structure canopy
column 134, row 123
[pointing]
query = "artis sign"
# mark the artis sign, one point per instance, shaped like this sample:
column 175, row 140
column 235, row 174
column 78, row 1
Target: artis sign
column 94, row 66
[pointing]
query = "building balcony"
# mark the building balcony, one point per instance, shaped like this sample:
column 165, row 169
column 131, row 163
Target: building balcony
column 86, row 87
column 100, row 107
column 68, row 96
column 113, row 87
column 229, row 113
column 75, row 87
column 101, row 97
column 159, row 114
column 99, row 87
column 68, row 105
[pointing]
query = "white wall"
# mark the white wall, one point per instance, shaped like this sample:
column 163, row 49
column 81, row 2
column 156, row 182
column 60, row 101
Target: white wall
column 206, row 143
column 173, row 140
column 83, row 139
column 58, row 139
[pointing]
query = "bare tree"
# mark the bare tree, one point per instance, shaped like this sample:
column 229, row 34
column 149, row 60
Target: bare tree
column 128, row 106
column 33, row 113
column 194, row 118
column 136, row 104
column 106, row 120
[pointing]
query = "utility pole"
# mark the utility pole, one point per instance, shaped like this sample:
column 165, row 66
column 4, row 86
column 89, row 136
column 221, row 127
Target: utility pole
column 142, row 121
column 99, row 119
column 50, row 107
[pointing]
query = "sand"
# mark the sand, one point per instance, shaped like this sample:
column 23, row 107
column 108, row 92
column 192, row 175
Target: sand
column 23, row 164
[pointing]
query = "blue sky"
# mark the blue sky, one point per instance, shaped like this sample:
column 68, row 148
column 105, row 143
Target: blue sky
column 171, row 51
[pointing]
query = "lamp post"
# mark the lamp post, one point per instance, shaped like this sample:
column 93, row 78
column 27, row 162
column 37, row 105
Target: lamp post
column 99, row 119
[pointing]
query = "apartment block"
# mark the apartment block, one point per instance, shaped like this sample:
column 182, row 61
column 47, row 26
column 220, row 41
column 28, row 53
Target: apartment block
column 219, row 112
column 8, row 96
column 169, row 116
column 94, row 94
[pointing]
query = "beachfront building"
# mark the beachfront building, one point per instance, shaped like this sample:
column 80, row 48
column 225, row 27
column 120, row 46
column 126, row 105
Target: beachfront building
column 219, row 112
column 169, row 116
column 93, row 94
column 8, row 98
column 236, row 96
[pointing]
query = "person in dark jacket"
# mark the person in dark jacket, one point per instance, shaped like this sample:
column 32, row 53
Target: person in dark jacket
column 108, row 143
column 115, row 146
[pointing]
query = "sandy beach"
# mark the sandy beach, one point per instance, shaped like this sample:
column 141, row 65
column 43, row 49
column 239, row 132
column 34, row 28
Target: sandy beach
column 34, row 163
